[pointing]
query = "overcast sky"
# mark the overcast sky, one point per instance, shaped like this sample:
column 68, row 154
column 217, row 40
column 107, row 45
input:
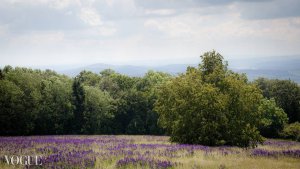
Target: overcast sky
column 144, row 32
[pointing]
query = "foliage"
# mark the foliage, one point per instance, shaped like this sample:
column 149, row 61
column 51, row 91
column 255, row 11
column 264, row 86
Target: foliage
column 78, row 102
column 34, row 102
column 206, row 104
column 292, row 131
column 286, row 94
column 11, row 108
column 273, row 118
column 56, row 108
column 44, row 102
column 98, row 108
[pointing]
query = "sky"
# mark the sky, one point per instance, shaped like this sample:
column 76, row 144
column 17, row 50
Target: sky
column 144, row 32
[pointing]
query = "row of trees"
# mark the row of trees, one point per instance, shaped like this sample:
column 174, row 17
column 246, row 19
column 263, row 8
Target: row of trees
column 208, row 104
column 44, row 102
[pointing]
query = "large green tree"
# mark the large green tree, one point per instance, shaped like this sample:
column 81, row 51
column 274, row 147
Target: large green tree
column 210, row 105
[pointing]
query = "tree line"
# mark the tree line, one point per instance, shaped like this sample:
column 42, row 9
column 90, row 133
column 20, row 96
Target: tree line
column 35, row 102
column 208, row 104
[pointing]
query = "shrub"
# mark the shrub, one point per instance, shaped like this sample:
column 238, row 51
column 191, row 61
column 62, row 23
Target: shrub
column 292, row 131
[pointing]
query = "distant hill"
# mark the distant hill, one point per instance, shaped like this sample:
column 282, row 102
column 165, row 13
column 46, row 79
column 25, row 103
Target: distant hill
column 127, row 69
column 271, row 74
column 273, row 67
column 284, row 67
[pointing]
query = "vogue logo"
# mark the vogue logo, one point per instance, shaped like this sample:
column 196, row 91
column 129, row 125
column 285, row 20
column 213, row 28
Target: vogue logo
column 23, row 160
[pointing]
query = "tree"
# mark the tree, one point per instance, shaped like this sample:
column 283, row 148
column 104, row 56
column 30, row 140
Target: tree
column 78, row 102
column 89, row 78
column 273, row 118
column 206, row 104
column 56, row 110
column 131, row 108
column 37, row 102
column 11, row 109
column 1, row 74
column 149, row 86
column 286, row 94
column 28, row 81
column 98, row 108
column 191, row 111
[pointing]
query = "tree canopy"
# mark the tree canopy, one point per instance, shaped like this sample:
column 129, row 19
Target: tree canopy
column 210, row 105
column 44, row 102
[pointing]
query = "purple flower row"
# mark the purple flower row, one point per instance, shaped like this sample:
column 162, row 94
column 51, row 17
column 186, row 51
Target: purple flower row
column 276, row 153
column 144, row 162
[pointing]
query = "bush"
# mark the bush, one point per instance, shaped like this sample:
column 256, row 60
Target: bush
column 292, row 131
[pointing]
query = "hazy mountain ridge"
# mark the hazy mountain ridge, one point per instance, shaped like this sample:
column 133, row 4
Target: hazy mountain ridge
column 176, row 69
column 128, row 69
column 283, row 67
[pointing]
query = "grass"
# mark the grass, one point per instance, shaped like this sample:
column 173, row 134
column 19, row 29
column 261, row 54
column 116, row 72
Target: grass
column 110, row 152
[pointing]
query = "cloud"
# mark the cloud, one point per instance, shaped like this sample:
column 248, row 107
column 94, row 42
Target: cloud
column 20, row 17
column 39, row 39
column 144, row 31
column 248, row 9
column 179, row 4
column 90, row 16
column 117, row 10
column 107, row 31
column 57, row 15
column 3, row 30
column 160, row 12
column 61, row 4
column 269, row 9
column 172, row 27
column 229, row 33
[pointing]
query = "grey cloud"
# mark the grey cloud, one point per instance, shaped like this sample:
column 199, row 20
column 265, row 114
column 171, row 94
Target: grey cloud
column 188, row 4
column 39, row 17
column 118, row 11
column 28, row 16
column 270, row 10
column 128, row 18
column 249, row 9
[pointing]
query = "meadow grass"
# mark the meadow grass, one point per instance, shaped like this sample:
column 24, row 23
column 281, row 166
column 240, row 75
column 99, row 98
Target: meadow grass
column 139, row 152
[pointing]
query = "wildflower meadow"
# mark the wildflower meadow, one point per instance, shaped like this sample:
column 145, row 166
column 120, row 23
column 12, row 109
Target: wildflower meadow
column 153, row 152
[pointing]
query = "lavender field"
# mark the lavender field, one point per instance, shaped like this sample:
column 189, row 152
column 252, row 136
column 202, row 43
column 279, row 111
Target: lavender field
column 110, row 152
